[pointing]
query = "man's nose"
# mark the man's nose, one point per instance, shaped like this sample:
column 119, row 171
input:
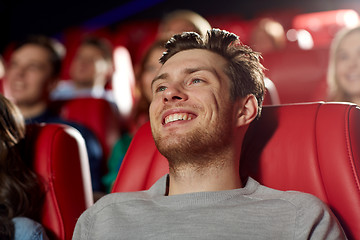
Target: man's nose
column 174, row 94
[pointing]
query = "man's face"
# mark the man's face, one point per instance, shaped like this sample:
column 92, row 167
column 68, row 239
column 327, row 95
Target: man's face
column 191, row 110
column 28, row 76
column 87, row 66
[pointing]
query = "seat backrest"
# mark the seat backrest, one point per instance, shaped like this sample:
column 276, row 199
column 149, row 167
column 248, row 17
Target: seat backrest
column 59, row 158
column 97, row 114
column 310, row 147
column 299, row 75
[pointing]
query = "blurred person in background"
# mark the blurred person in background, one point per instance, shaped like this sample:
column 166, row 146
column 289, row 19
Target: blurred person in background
column 90, row 70
column 268, row 35
column 145, row 74
column 21, row 193
column 180, row 21
column 2, row 68
column 32, row 72
column 344, row 67
column 143, row 95
column 2, row 72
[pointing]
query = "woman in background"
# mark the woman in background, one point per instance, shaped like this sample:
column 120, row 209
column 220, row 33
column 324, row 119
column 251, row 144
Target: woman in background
column 145, row 73
column 344, row 67
column 20, row 192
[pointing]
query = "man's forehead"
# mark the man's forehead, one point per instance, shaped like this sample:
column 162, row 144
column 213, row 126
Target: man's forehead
column 28, row 50
column 190, row 59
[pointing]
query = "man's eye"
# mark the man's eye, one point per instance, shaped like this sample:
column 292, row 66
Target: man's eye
column 161, row 89
column 197, row 80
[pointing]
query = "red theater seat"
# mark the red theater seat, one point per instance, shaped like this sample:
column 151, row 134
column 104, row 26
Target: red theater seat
column 299, row 75
column 97, row 114
column 311, row 147
column 59, row 158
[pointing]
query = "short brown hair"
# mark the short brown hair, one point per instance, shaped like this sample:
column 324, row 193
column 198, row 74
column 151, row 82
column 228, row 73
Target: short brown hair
column 244, row 68
column 55, row 49
column 102, row 44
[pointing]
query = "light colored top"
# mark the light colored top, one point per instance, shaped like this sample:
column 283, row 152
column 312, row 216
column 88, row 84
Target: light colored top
column 66, row 90
column 253, row 212
column 28, row 229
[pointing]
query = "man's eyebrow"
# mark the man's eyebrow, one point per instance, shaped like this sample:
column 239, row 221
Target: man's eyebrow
column 205, row 68
column 197, row 69
column 161, row 76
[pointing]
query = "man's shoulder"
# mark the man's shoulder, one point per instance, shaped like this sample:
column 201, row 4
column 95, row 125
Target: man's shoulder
column 113, row 200
column 312, row 215
column 295, row 198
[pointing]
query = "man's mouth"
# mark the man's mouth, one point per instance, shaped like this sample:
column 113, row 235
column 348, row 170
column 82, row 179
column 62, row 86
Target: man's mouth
column 178, row 117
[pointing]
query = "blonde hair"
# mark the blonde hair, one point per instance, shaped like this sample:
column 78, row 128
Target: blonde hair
column 335, row 92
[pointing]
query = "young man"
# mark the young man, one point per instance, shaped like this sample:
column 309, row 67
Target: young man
column 205, row 96
column 90, row 70
column 31, row 74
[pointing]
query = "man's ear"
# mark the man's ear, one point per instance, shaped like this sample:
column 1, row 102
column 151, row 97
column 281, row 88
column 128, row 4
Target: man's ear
column 247, row 110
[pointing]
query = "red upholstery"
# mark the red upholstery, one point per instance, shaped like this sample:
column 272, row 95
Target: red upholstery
column 96, row 114
column 324, row 25
column 60, row 160
column 299, row 75
column 311, row 147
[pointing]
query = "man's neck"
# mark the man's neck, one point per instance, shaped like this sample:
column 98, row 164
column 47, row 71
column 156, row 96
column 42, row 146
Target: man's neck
column 30, row 111
column 188, row 179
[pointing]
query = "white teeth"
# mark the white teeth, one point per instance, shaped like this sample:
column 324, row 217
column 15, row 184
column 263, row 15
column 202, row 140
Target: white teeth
column 177, row 117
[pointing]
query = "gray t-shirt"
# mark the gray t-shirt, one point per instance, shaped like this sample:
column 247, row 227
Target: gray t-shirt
column 252, row 212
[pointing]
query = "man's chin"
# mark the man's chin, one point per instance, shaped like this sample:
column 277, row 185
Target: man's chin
column 169, row 144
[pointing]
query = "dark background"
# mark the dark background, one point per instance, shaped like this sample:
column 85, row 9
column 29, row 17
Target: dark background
column 19, row 18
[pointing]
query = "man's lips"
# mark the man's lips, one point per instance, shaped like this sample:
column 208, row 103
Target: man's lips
column 177, row 115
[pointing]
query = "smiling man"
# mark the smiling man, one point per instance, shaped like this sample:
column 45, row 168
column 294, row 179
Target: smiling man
column 205, row 96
